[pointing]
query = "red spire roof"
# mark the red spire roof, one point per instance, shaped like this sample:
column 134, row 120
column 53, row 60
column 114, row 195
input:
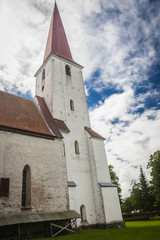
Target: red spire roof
column 57, row 41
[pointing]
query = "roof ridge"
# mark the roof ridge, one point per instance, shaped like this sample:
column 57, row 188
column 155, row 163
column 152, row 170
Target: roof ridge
column 3, row 92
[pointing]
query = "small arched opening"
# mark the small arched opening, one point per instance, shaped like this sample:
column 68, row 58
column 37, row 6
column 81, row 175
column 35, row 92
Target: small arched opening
column 83, row 213
column 26, row 187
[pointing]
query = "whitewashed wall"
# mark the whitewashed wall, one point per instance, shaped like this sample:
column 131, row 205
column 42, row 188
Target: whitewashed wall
column 90, row 166
column 111, row 204
column 100, row 160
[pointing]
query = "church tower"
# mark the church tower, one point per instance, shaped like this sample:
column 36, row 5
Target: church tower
column 59, row 85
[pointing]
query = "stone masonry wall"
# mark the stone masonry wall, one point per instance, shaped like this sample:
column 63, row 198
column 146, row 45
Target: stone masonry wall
column 46, row 159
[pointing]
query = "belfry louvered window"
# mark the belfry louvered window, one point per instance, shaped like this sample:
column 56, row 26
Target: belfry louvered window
column 68, row 70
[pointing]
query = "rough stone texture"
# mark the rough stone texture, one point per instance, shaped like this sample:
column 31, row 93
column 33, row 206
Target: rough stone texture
column 48, row 172
column 110, row 225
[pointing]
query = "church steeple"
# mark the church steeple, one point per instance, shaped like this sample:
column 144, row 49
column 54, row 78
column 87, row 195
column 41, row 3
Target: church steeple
column 57, row 41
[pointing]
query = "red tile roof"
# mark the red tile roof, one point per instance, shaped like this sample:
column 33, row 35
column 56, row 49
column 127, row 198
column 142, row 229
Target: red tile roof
column 21, row 115
column 48, row 117
column 57, row 41
column 93, row 133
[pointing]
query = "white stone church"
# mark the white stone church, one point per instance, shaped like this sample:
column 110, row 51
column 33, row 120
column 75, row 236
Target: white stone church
column 50, row 159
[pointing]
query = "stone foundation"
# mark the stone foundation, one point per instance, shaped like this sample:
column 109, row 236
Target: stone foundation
column 110, row 225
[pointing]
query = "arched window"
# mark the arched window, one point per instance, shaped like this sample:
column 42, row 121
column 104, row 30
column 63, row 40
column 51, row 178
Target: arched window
column 68, row 70
column 71, row 105
column 76, row 144
column 26, row 187
column 43, row 79
column 83, row 213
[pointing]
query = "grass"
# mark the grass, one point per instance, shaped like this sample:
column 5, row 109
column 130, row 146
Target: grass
column 143, row 230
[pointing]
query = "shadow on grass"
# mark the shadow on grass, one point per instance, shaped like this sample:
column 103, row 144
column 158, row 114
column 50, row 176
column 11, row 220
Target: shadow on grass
column 145, row 230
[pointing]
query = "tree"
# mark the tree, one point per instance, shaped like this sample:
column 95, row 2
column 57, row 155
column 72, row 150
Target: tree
column 141, row 194
column 127, row 205
column 115, row 180
column 146, row 197
column 154, row 165
column 135, row 196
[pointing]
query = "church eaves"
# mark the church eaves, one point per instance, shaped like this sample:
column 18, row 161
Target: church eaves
column 93, row 133
column 57, row 41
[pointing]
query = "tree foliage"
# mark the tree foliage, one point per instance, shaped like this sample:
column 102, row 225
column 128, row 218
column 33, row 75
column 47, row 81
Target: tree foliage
column 144, row 195
column 141, row 197
column 127, row 205
column 115, row 180
column 135, row 195
column 154, row 165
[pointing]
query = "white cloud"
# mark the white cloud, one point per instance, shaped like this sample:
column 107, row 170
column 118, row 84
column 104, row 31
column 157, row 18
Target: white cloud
column 127, row 145
column 110, row 36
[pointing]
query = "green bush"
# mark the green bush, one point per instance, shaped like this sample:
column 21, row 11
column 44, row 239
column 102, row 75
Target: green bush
column 136, row 218
column 141, row 214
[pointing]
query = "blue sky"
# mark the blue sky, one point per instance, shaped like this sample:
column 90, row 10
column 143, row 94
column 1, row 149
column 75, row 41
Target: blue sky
column 118, row 43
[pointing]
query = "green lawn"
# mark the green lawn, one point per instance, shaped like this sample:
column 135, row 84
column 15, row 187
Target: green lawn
column 144, row 230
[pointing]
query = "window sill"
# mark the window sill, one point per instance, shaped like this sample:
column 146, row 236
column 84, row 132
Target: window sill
column 26, row 208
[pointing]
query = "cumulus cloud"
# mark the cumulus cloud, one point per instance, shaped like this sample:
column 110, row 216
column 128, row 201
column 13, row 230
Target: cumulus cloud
column 130, row 139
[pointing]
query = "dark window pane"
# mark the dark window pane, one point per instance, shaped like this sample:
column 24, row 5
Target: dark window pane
column 68, row 70
column 4, row 187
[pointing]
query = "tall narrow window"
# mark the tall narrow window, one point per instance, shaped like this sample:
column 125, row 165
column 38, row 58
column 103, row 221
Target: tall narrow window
column 68, row 70
column 76, row 144
column 43, row 79
column 26, row 187
column 71, row 105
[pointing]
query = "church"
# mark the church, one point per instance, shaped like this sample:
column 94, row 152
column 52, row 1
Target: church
column 53, row 165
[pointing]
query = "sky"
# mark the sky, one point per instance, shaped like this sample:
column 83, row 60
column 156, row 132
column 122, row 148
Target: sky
column 118, row 43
